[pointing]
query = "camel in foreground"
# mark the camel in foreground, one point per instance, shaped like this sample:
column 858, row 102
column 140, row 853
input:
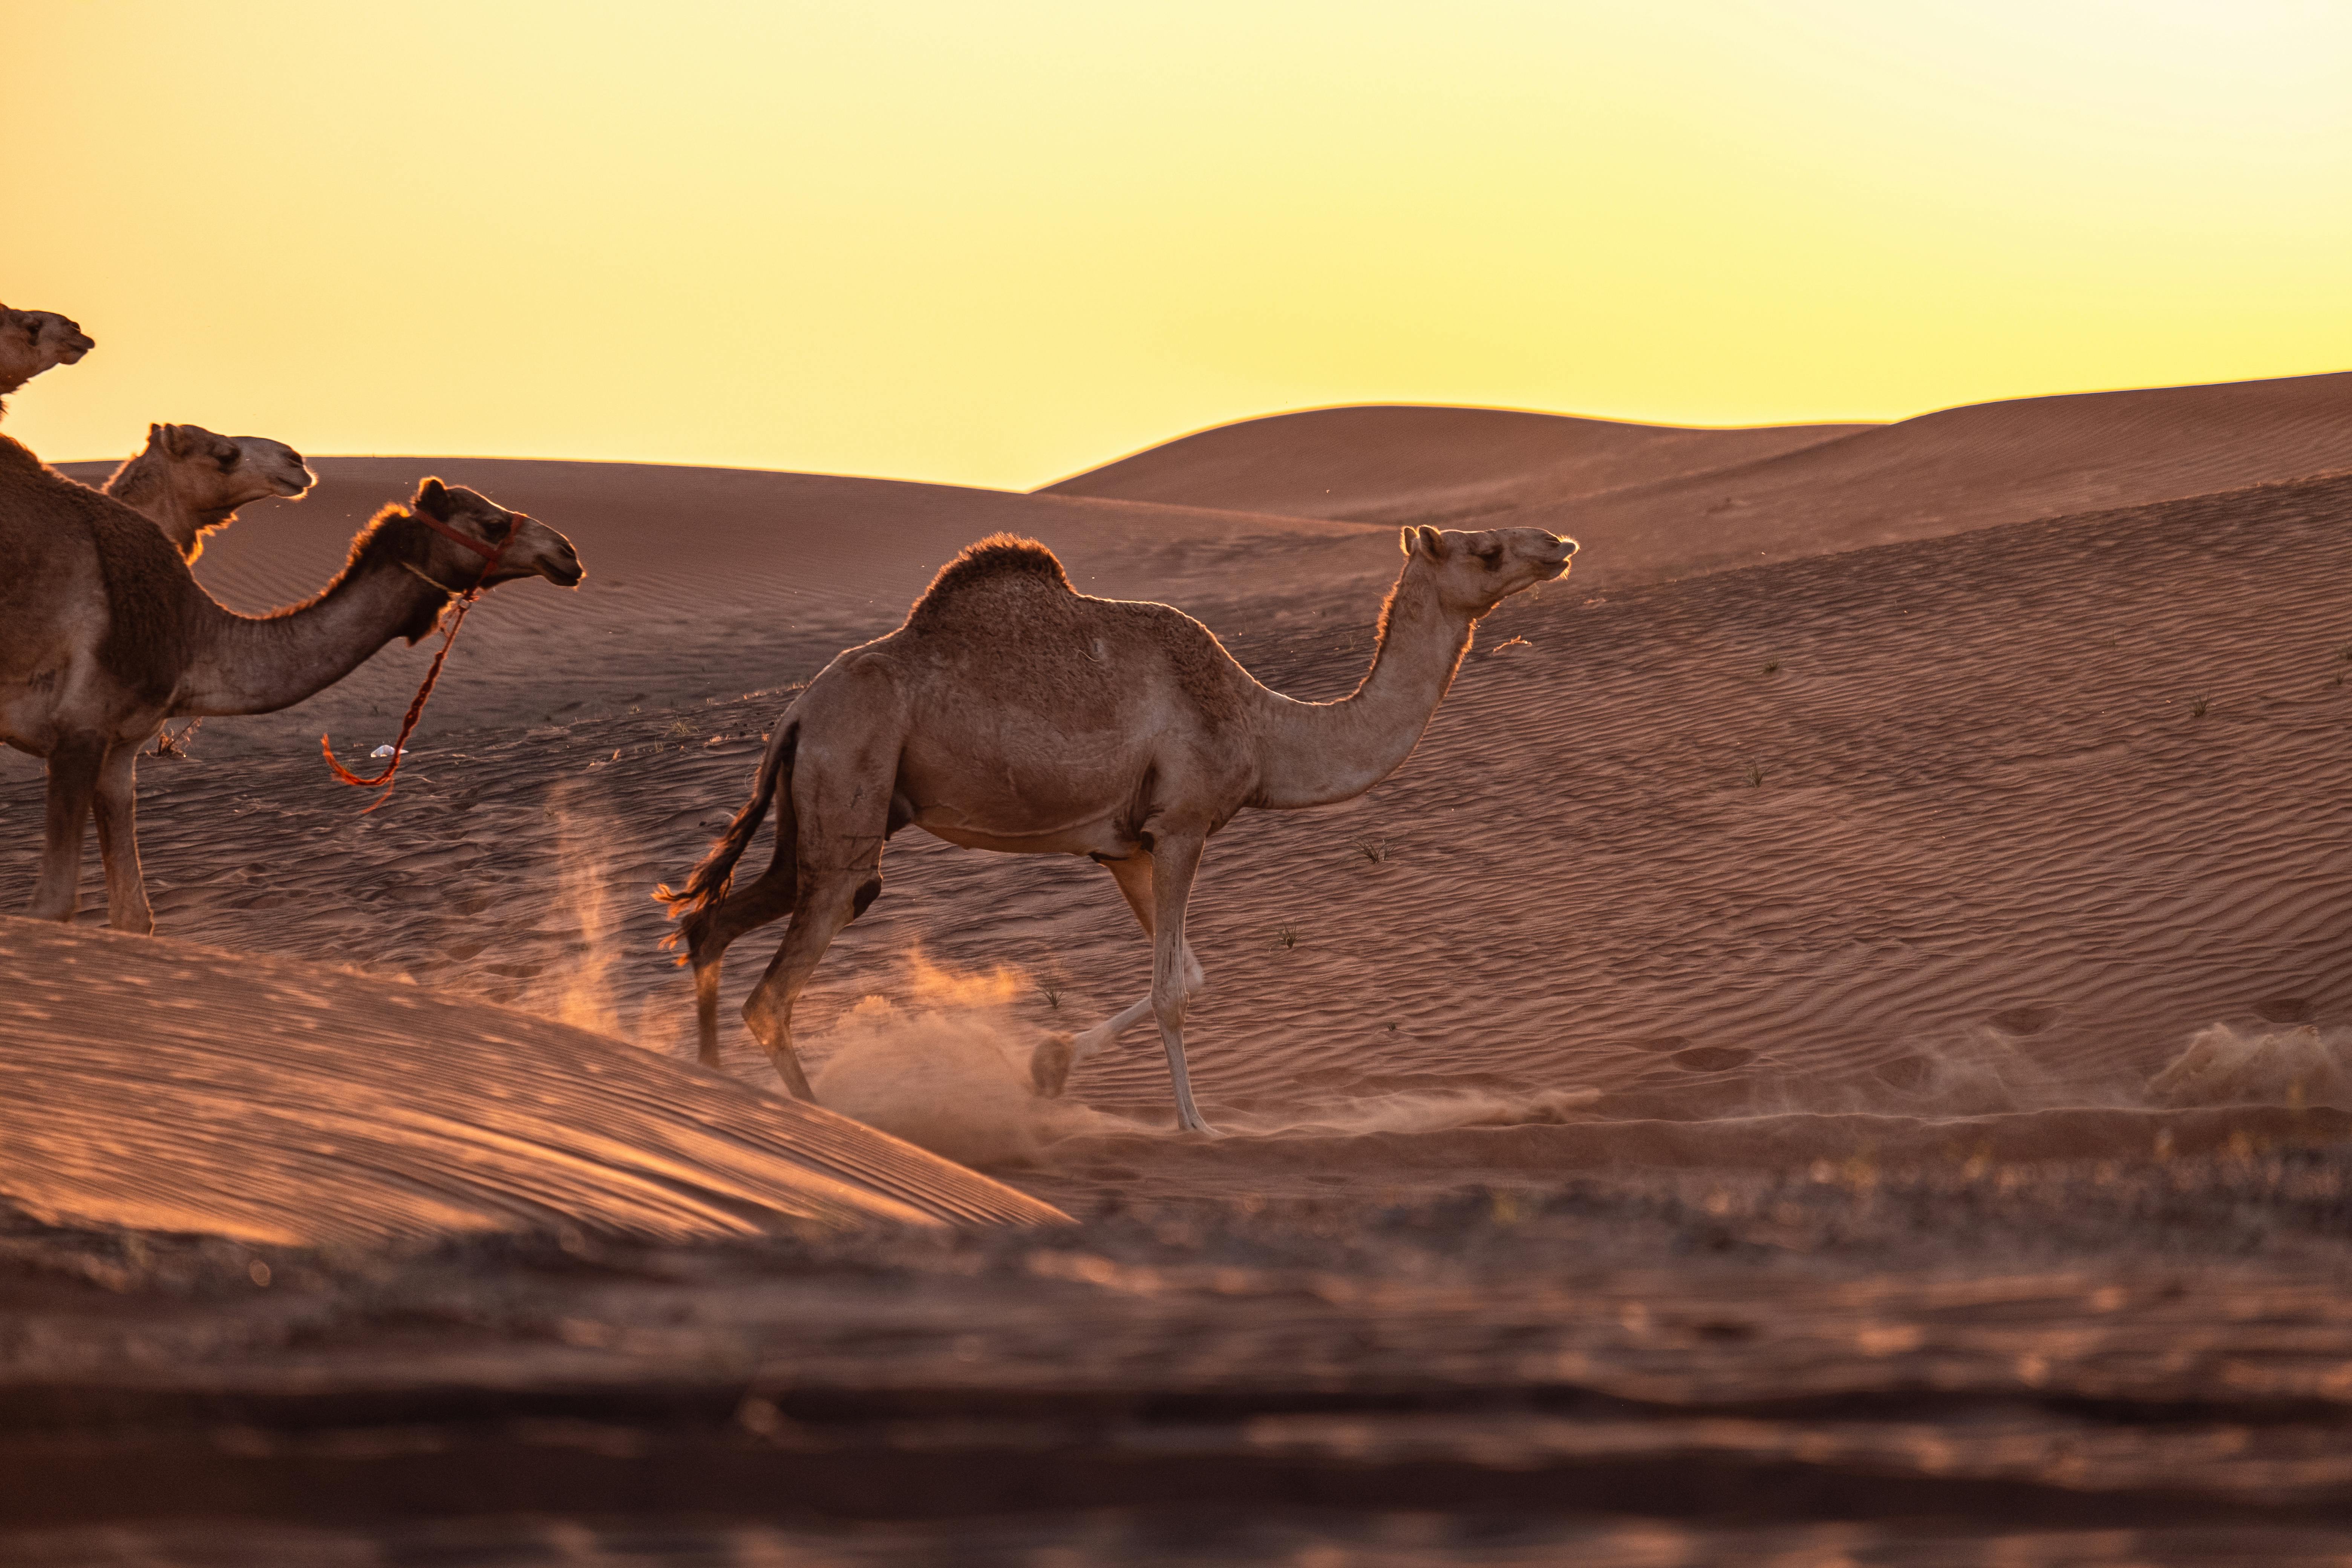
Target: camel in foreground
column 104, row 635
column 33, row 341
column 189, row 481
column 1011, row 712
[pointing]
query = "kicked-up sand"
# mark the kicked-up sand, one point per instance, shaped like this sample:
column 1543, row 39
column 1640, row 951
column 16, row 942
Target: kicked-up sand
column 1836, row 1047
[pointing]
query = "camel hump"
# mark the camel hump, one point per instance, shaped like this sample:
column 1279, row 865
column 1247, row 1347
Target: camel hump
column 1002, row 559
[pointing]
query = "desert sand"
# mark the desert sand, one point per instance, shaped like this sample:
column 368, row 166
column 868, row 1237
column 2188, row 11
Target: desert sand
column 1838, row 1041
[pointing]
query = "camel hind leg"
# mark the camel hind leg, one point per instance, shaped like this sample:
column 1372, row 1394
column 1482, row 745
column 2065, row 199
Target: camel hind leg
column 767, row 901
column 73, row 770
column 745, row 910
column 843, row 806
column 117, row 842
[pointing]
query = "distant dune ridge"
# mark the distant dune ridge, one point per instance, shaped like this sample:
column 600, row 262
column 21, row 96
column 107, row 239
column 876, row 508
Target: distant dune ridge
column 1654, row 501
column 2011, row 770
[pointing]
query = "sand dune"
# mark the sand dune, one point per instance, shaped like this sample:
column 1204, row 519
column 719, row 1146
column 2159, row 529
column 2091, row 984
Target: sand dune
column 167, row 1086
column 1650, row 502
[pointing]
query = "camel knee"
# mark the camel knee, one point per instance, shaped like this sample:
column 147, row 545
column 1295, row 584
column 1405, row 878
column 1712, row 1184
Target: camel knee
column 764, row 1017
column 1196, row 979
column 1168, row 1003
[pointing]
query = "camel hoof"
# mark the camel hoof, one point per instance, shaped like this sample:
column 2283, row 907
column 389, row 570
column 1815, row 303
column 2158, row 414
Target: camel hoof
column 1049, row 1065
column 796, row 1083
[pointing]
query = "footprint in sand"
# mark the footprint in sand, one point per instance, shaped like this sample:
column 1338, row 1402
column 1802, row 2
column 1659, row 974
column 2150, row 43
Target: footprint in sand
column 1903, row 1072
column 1711, row 1058
column 2027, row 1020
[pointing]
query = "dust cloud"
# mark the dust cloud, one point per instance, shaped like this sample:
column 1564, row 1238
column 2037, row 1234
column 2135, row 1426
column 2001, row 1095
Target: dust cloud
column 943, row 1062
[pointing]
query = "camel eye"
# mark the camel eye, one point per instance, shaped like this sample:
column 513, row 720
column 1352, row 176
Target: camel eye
column 1492, row 556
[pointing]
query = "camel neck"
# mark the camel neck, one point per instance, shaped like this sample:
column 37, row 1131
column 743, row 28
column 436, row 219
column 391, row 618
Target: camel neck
column 1318, row 753
column 143, row 484
column 259, row 664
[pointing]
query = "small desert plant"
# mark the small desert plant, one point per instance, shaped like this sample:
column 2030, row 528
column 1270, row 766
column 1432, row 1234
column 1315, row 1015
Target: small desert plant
column 1286, row 936
column 1755, row 776
column 1772, row 666
column 1373, row 849
column 2197, row 707
column 679, row 729
column 1053, row 997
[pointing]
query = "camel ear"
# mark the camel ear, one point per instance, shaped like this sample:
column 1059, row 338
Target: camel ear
column 174, row 438
column 1433, row 543
column 432, row 499
column 155, row 436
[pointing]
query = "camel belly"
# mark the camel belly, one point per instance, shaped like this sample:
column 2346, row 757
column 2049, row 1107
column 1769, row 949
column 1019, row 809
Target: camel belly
column 1072, row 800
column 1107, row 839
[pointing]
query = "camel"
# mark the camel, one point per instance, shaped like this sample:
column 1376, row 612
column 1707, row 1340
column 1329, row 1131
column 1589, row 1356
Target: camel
column 1011, row 712
column 189, row 481
column 33, row 341
column 104, row 635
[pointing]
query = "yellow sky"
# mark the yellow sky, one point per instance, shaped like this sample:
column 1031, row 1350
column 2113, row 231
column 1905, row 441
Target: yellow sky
column 996, row 244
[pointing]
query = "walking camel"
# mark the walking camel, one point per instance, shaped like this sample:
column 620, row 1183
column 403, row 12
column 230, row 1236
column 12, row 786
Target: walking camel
column 1011, row 712
column 104, row 635
column 33, row 341
column 189, row 481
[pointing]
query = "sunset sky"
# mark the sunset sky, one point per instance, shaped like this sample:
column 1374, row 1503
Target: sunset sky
column 997, row 244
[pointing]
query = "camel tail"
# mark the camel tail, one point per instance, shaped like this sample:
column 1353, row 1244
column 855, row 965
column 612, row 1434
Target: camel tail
column 706, row 886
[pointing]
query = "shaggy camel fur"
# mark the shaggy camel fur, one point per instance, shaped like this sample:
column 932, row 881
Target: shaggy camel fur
column 33, row 341
column 1011, row 712
column 104, row 635
column 190, row 481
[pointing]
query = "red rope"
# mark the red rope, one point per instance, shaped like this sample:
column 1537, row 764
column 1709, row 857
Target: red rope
column 449, row 639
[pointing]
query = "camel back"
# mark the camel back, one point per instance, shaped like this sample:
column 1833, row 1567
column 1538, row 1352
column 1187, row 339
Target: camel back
column 996, row 559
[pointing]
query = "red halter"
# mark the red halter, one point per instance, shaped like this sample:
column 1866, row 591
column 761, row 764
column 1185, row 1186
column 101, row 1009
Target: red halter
column 492, row 556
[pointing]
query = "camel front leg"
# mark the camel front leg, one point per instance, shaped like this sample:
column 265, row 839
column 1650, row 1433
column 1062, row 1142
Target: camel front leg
column 1177, row 861
column 1051, row 1064
column 117, row 842
column 72, row 781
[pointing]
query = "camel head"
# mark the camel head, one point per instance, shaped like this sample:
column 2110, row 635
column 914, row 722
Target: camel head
column 33, row 341
column 221, row 473
column 1474, row 572
column 532, row 549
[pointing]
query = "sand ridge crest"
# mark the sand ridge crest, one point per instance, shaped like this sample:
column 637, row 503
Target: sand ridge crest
column 158, row 1084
